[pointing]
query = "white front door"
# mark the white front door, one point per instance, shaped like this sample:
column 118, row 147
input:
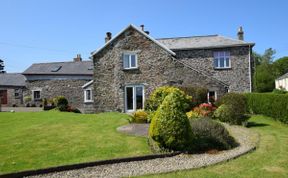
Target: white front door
column 134, row 98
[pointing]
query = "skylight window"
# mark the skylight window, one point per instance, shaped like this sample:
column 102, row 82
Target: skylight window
column 56, row 68
column 90, row 68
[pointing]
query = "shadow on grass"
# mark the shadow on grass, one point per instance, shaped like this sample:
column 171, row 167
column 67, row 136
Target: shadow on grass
column 254, row 124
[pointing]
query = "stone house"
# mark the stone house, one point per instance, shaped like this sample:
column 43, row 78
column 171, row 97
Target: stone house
column 12, row 86
column 132, row 64
column 281, row 83
column 47, row 80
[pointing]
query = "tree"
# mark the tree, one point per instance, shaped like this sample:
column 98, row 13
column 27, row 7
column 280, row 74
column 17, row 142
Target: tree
column 2, row 66
column 265, row 72
column 281, row 66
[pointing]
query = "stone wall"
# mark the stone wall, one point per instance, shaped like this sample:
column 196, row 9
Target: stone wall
column 156, row 67
column 237, row 77
column 71, row 89
column 11, row 99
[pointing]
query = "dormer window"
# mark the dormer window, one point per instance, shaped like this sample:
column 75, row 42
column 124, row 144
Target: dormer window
column 130, row 61
column 222, row 60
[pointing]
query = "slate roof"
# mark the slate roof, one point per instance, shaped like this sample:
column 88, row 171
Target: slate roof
column 12, row 79
column 61, row 68
column 283, row 76
column 200, row 42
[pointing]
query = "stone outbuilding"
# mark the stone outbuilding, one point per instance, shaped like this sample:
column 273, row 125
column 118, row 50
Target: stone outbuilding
column 12, row 86
column 132, row 64
column 47, row 80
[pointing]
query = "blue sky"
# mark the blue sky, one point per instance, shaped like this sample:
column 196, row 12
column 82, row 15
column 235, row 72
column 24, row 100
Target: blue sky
column 34, row 31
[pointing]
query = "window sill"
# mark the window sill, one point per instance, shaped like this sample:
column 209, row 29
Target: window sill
column 223, row 68
column 128, row 69
column 89, row 101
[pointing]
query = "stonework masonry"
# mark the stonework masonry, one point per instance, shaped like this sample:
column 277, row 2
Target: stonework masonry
column 71, row 89
column 156, row 67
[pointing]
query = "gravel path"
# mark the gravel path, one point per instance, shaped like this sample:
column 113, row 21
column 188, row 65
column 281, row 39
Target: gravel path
column 247, row 139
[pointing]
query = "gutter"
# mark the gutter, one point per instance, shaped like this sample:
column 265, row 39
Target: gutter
column 250, row 77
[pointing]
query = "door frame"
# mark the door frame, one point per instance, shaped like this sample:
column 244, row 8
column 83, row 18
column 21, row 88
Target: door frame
column 134, row 97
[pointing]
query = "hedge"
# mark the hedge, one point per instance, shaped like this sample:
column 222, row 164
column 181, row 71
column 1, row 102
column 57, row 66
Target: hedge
column 269, row 104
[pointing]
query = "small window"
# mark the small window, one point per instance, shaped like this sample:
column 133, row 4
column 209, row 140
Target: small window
column 36, row 95
column 88, row 95
column 129, row 61
column 212, row 96
column 222, row 60
column 17, row 93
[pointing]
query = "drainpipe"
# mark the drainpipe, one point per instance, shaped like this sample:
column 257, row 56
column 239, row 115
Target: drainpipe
column 250, row 77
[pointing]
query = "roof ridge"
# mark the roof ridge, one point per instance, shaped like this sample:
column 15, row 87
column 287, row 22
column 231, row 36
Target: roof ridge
column 187, row 37
column 62, row 62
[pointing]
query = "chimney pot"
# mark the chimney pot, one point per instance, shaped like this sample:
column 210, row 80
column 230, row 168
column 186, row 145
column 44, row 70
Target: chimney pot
column 147, row 32
column 142, row 27
column 108, row 36
column 78, row 58
column 240, row 33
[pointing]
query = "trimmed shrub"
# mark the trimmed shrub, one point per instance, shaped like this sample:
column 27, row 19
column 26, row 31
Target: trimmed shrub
column 269, row 104
column 170, row 127
column 61, row 103
column 209, row 134
column 139, row 116
column 279, row 91
column 158, row 95
column 27, row 99
column 192, row 115
column 232, row 109
column 199, row 95
column 73, row 109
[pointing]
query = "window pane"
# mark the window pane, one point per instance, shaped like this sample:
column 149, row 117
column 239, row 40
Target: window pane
column 222, row 54
column 36, row 94
column 133, row 61
column 129, row 98
column 216, row 63
column 126, row 61
column 221, row 62
column 139, row 97
column 227, row 62
column 88, row 94
column 216, row 54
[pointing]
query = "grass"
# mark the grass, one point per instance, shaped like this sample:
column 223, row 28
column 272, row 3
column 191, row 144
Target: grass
column 45, row 139
column 269, row 160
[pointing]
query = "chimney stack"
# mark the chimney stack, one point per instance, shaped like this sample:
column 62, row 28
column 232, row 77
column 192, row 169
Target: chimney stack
column 240, row 33
column 108, row 36
column 78, row 58
column 142, row 28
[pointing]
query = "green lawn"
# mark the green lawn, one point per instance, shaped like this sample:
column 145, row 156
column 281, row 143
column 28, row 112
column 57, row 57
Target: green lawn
column 269, row 160
column 44, row 139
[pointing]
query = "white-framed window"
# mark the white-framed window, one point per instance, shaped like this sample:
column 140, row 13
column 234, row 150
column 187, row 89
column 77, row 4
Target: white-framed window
column 88, row 95
column 36, row 94
column 130, row 61
column 222, row 60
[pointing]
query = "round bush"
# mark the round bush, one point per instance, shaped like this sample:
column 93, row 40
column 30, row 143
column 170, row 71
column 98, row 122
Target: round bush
column 158, row 95
column 139, row 116
column 61, row 103
column 209, row 134
column 170, row 127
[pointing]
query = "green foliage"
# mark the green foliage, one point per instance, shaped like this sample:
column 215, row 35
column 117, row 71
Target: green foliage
column 266, row 58
column 199, row 95
column 210, row 134
column 281, row 66
column 264, row 78
column 27, row 99
column 279, row 91
column 193, row 115
column 170, row 127
column 232, row 109
column 159, row 94
column 61, row 103
column 139, row 116
column 269, row 104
